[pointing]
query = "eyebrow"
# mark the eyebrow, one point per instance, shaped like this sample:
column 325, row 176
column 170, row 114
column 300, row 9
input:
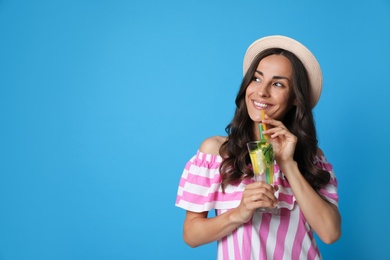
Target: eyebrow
column 274, row 77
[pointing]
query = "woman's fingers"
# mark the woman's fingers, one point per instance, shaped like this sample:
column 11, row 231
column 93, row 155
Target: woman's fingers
column 282, row 140
column 256, row 195
column 259, row 194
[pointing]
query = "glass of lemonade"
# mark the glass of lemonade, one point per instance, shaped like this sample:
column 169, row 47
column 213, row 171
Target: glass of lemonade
column 262, row 158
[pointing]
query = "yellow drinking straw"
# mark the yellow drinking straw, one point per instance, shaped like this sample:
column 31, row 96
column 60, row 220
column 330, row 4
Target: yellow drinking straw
column 262, row 118
column 262, row 126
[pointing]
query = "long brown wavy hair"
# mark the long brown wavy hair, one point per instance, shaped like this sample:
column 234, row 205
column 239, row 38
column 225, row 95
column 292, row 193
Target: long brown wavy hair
column 299, row 121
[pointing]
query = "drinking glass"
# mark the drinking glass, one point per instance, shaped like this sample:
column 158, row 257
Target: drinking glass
column 262, row 158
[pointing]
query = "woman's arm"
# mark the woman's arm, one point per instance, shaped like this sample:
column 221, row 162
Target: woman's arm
column 199, row 229
column 321, row 215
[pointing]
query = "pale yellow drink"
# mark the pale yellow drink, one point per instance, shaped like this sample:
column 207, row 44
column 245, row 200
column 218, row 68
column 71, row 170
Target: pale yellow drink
column 261, row 155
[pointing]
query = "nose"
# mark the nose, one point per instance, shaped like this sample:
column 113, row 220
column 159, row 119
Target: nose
column 263, row 91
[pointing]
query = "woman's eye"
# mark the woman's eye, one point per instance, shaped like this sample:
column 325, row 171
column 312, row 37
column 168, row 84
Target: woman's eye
column 256, row 79
column 277, row 84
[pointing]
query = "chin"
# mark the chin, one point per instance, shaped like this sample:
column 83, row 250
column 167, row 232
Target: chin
column 256, row 119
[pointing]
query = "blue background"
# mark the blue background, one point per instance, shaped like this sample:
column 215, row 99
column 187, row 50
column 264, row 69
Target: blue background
column 103, row 102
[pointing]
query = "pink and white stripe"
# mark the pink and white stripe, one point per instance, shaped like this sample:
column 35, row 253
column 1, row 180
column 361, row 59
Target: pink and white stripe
column 286, row 235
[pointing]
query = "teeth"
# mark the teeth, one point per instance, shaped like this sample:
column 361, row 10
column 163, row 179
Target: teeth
column 260, row 104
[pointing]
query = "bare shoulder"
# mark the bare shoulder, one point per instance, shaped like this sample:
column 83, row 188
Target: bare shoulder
column 212, row 144
column 320, row 152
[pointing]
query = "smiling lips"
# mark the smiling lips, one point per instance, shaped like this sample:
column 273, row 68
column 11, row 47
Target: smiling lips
column 260, row 105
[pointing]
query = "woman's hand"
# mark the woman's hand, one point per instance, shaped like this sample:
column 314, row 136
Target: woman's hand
column 200, row 230
column 322, row 216
column 282, row 140
column 256, row 195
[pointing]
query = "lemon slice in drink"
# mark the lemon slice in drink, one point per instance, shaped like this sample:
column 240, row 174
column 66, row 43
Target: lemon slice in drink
column 258, row 161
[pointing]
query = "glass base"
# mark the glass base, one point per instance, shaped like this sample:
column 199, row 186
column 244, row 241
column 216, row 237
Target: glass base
column 274, row 211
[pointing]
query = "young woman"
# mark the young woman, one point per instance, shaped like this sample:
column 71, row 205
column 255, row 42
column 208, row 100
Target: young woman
column 283, row 78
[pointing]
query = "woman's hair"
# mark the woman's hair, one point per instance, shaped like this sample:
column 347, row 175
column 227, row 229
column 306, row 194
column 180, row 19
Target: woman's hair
column 299, row 120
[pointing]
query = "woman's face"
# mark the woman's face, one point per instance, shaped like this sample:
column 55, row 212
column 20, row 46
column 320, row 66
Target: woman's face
column 271, row 88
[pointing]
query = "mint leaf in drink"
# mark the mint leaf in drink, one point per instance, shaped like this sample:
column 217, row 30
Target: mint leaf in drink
column 268, row 153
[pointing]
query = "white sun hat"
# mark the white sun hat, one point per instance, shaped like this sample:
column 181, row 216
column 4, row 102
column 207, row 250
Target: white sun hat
column 304, row 54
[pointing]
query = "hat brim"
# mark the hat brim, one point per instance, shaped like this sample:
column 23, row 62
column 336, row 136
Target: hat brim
column 304, row 54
